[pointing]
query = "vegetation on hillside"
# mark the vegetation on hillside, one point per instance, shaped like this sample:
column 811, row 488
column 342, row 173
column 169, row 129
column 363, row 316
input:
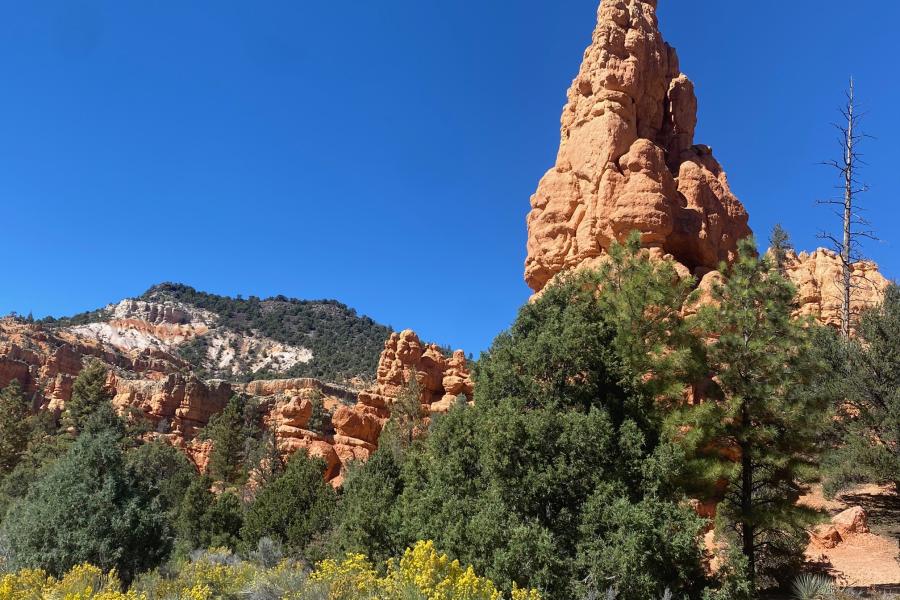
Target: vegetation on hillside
column 344, row 344
column 867, row 398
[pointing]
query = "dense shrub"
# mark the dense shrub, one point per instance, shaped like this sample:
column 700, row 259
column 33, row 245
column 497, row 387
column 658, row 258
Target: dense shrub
column 368, row 520
column 536, row 498
column 206, row 520
column 164, row 471
column 295, row 509
column 868, row 399
column 88, row 507
column 45, row 445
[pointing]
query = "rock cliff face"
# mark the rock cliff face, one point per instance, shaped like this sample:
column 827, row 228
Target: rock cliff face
column 177, row 405
column 818, row 279
column 442, row 381
column 627, row 159
column 46, row 361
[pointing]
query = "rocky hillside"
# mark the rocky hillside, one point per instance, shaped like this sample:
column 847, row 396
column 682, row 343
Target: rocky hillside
column 175, row 356
column 235, row 338
column 177, row 404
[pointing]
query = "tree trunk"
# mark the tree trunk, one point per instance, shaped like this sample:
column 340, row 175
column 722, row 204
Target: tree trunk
column 748, row 530
column 848, row 216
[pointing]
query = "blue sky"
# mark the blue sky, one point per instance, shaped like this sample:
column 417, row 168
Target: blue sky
column 380, row 153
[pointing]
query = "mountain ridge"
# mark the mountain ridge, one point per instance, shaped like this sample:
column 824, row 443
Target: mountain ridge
column 239, row 338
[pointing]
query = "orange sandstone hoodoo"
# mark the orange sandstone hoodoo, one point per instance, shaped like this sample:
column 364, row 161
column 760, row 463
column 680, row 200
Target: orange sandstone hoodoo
column 627, row 160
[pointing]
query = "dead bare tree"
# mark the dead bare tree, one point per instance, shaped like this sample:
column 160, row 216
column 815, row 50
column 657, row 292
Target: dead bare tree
column 854, row 226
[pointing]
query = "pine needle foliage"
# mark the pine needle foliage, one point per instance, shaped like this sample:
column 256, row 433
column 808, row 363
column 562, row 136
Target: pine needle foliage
column 759, row 435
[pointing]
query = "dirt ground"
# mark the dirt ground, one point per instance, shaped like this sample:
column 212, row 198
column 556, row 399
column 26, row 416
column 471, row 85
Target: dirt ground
column 863, row 560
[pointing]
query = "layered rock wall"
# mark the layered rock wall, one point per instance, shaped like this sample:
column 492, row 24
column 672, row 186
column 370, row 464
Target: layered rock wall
column 46, row 361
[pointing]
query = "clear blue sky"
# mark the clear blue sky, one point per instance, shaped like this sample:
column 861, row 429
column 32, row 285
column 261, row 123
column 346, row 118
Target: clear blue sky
column 380, row 153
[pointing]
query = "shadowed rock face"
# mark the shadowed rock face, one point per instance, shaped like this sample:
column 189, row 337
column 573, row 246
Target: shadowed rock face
column 627, row 159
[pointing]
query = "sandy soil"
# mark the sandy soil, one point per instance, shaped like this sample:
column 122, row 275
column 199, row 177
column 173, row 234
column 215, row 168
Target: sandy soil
column 863, row 559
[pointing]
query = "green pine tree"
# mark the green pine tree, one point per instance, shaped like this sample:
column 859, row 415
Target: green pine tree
column 295, row 509
column 89, row 394
column 266, row 458
column 644, row 299
column 320, row 419
column 868, row 401
column 229, row 438
column 780, row 246
column 763, row 361
column 191, row 521
column 407, row 413
column 14, row 433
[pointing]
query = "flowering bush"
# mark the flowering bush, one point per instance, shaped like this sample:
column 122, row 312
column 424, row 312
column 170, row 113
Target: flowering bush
column 216, row 573
column 422, row 573
column 82, row 582
column 439, row 578
column 354, row 577
column 422, row 570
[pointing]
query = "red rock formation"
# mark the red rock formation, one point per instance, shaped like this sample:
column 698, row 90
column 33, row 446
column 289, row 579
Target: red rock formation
column 818, row 279
column 178, row 406
column 440, row 379
column 46, row 361
column 627, row 159
column 357, row 427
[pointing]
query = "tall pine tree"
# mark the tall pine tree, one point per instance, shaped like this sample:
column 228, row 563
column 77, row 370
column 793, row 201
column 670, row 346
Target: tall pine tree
column 14, row 411
column 780, row 246
column 869, row 399
column 89, row 394
column 231, row 436
column 760, row 434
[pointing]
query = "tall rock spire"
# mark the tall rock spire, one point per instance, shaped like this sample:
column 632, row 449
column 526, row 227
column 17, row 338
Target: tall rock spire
column 627, row 159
